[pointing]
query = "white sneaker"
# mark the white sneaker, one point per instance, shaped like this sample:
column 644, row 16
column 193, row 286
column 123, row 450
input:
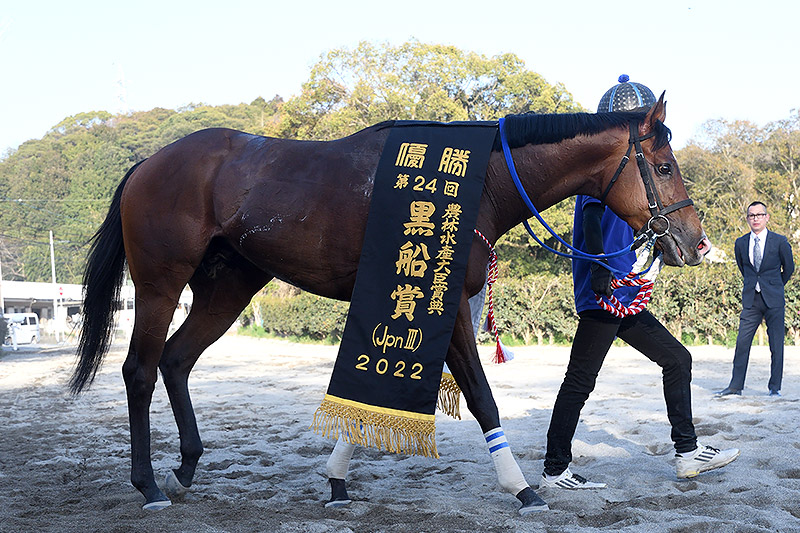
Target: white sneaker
column 568, row 480
column 703, row 459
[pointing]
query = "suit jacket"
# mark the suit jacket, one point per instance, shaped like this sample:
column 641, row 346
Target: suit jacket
column 777, row 266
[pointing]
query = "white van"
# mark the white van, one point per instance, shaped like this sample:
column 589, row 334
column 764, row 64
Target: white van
column 25, row 327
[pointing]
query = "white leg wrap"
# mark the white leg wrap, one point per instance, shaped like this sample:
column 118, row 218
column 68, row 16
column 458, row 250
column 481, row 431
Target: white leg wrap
column 509, row 474
column 339, row 460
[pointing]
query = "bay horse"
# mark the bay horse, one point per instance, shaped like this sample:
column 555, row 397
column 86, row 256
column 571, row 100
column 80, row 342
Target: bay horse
column 226, row 211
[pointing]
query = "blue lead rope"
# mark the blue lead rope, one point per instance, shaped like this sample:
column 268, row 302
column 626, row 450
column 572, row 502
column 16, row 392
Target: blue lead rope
column 576, row 253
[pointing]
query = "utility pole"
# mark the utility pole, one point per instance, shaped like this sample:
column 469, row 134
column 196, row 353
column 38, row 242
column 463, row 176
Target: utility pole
column 2, row 298
column 55, row 287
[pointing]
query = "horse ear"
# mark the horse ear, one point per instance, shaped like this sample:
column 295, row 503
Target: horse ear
column 657, row 112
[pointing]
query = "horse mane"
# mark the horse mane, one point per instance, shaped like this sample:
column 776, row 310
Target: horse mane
column 532, row 128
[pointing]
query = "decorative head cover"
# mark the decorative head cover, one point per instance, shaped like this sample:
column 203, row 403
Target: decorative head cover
column 626, row 96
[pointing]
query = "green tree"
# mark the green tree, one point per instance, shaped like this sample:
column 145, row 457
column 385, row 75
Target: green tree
column 779, row 177
column 349, row 90
column 64, row 182
column 721, row 177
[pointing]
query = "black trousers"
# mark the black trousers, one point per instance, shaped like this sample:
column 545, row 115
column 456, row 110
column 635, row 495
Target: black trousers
column 596, row 332
column 749, row 321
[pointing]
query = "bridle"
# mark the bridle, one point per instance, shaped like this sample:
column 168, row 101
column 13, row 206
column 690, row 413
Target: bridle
column 657, row 210
column 648, row 233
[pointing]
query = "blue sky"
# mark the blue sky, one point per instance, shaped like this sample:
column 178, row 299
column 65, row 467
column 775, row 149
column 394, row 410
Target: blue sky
column 727, row 60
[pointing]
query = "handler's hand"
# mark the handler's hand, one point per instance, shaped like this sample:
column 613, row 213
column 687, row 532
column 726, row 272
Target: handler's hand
column 601, row 280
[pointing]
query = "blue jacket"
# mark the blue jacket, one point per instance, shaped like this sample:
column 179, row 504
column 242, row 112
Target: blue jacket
column 616, row 234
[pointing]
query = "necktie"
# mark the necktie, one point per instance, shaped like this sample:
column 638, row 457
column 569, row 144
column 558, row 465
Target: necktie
column 757, row 253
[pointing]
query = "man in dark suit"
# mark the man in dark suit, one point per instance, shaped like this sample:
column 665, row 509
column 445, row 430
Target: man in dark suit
column 765, row 261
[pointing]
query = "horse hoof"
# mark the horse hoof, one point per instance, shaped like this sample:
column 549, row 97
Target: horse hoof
column 335, row 504
column 339, row 497
column 531, row 502
column 173, row 486
column 157, row 505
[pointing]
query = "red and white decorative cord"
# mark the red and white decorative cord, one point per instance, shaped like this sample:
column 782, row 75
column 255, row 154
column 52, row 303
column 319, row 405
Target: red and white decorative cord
column 501, row 355
column 615, row 307
column 645, row 284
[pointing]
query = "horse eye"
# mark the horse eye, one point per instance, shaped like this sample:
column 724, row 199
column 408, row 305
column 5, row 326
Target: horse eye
column 664, row 169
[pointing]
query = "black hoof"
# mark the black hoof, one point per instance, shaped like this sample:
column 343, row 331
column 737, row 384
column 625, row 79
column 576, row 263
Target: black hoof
column 156, row 505
column 184, row 476
column 339, row 497
column 154, row 498
column 173, row 485
column 531, row 502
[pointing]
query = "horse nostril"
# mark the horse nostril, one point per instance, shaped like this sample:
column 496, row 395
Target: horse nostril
column 704, row 246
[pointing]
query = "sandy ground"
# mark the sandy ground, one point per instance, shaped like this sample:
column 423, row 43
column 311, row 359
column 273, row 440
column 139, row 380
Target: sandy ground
column 64, row 461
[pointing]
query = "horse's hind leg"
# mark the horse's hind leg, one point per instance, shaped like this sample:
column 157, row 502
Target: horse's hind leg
column 221, row 291
column 154, row 309
column 158, row 287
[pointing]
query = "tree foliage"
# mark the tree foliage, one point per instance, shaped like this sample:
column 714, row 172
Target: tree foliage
column 64, row 182
column 349, row 90
column 740, row 163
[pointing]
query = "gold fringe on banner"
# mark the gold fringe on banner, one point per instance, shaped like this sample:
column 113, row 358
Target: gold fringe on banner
column 449, row 401
column 367, row 425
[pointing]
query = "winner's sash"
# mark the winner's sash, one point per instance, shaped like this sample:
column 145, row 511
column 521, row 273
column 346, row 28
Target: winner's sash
column 386, row 378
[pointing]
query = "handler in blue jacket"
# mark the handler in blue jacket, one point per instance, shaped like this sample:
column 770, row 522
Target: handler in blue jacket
column 597, row 230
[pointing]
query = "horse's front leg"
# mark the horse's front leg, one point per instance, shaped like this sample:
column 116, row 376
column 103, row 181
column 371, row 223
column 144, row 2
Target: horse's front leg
column 336, row 467
column 462, row 358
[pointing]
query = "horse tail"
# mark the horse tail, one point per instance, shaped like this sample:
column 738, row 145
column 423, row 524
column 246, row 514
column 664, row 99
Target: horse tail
column 102, row 281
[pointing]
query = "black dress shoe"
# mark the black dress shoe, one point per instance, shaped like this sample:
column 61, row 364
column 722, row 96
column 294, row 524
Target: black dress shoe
column 727, row 391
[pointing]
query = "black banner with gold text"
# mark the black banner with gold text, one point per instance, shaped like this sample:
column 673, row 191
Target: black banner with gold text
column 424, row 205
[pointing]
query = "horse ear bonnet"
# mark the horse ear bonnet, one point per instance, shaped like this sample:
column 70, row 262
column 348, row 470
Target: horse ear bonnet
column 626, row 96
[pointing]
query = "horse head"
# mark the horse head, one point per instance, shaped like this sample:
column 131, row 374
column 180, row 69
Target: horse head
column 650, row 195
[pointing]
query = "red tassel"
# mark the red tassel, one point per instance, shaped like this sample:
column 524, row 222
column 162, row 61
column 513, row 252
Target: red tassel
column 502, row 354
column 499, row 356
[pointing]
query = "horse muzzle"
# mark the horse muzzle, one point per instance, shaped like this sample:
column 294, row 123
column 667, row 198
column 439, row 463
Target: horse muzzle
column 678, row 253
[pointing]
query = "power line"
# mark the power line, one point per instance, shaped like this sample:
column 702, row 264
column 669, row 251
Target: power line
column 20, row 202
column 25, row 240
column 64, row 200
